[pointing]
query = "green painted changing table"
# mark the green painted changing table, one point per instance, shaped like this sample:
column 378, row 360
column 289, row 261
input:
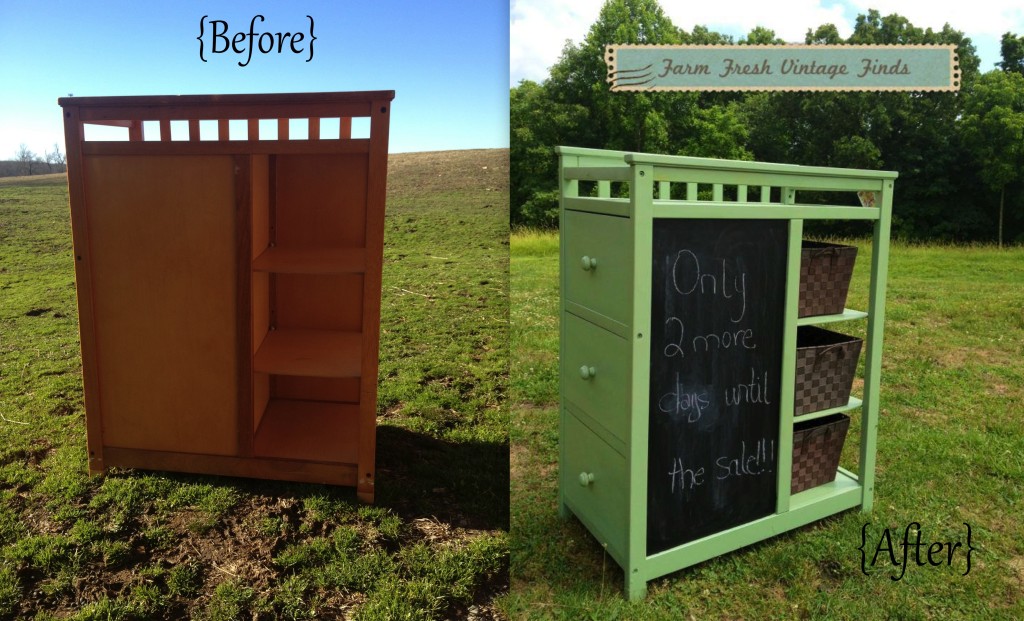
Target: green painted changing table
column 679, row 315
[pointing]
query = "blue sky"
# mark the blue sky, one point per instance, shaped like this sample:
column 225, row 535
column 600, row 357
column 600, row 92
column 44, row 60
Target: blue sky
column 447, row 61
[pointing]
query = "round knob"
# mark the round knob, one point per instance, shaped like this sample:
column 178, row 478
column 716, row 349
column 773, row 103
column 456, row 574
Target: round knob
column 587, row 372
column 588, row 263
column 586, row 478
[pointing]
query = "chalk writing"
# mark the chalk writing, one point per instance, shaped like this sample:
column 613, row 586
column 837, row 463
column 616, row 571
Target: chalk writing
column 687, row 278
column 681, row 401
column 754, row 392
column 687, row 478
column 760, row 461
column 743, row 337
column 717, row 301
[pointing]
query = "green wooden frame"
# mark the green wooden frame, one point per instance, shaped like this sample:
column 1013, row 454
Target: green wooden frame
column 650, row 179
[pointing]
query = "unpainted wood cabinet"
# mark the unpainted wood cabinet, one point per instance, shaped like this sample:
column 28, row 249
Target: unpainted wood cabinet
column 228, row 256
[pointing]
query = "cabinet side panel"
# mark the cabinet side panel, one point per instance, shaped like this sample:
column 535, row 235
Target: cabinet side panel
column 321, row 200
column 260, row 189
column 164, row 281
column 318, row 301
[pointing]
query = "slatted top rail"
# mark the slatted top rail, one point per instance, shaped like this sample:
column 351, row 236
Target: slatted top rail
column 593, row 164
column 154, row 115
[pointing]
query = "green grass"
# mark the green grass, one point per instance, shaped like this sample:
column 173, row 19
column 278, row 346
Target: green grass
column 149, row 545
column 950, row 450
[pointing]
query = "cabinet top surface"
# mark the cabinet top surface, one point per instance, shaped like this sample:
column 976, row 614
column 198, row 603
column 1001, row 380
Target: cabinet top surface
column 228, row 100
column 624, row 158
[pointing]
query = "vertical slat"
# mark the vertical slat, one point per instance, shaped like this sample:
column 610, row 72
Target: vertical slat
column 787, row 382
column 314, row 128
column 691, row 191
column 604, row 189
column 376, row 187
column 345, row 127
column 135, row 131
column 741, row 193
column 243, row 299
column 568, row 188
column 641, row 199
column 766, row 194
column 873, row 360
column 253, row 129
column 717, row 192
column 223, row 129
column 282, row 129
column 165, row 130
column 664, row 190
column 193, row 130
column 83, row 282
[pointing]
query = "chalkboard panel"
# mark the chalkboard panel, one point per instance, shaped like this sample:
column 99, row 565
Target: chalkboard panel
column 717, row 302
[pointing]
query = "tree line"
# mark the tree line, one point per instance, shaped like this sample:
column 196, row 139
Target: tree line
column 28, row 162
column 960, row 155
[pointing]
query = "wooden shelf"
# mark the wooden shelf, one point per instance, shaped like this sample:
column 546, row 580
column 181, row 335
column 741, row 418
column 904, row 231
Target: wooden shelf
column 311, row 260
column 846, row 315
column 852, row 404
column 310, row 431
column 313, row 353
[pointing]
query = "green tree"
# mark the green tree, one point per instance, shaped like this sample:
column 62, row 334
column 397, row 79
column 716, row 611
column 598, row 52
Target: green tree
column 576, row 107
column 537, row 124
column 993, row 129
column 1012, row 50
column 913, row 133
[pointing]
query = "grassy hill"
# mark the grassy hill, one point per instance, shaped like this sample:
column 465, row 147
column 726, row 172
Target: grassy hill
column 143, row 545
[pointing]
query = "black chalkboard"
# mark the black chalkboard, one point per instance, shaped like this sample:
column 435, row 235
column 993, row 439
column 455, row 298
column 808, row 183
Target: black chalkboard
column 717, row 303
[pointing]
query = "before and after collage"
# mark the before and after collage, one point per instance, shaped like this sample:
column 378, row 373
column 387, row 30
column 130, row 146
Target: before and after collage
column 593, row 309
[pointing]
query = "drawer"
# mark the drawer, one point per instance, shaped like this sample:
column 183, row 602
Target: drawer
column 595, row 371
column 599, row 263
column 593, row 480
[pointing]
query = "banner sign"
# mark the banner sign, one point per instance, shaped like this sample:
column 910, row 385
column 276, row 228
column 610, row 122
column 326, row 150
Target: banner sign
column 782, row 67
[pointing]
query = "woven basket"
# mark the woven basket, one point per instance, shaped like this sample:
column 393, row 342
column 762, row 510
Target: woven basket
column 825, row 271
column 826, row 362
column 816, row 448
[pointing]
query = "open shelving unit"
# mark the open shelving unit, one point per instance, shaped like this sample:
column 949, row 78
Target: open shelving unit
column 228, row 265
column 611, row 205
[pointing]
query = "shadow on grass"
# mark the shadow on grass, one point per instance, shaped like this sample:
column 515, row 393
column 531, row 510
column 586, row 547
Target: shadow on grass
column 465, row 484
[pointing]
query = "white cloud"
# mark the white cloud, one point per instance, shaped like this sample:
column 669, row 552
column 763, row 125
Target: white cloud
column 790, row 19
column 975, row 18
column 539, row 28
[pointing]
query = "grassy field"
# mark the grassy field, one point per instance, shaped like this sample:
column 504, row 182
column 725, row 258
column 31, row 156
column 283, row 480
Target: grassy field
column 142, row 545
column 950, row 451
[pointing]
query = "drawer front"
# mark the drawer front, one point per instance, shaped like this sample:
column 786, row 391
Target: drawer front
column 595, row 369
column 593, row 479
column 598, row 263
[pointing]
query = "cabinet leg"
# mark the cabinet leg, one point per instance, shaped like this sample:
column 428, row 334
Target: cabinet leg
column 563, row 509
column 364, row 492
column 636, row 587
